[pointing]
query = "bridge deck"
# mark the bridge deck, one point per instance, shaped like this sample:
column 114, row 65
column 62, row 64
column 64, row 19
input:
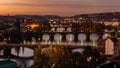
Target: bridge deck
column 46, row 45
column 10, row 56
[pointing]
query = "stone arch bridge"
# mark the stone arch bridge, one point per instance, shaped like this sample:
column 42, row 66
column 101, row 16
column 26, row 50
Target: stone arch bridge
column 7, row 49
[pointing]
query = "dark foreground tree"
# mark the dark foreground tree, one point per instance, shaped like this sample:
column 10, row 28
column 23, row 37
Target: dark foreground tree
column 91, row 55
column 53, row 57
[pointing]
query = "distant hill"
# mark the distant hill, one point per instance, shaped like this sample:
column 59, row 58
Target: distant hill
column 100, row 16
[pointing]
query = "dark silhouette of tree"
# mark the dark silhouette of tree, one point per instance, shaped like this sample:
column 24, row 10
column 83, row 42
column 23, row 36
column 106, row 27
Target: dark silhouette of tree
column 15, row 35
column 87, row 51
column 77, row 58
column 62, row 57
column 40, row 59
column 55, row 57
column 91, row 55
column 1, row 38
column 101, row 42
column 28, row 36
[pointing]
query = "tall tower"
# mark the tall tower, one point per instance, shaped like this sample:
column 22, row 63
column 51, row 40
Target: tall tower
column 17, row 25
column 17, row 38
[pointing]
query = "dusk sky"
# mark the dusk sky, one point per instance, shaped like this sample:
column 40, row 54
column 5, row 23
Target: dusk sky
column 58, row 7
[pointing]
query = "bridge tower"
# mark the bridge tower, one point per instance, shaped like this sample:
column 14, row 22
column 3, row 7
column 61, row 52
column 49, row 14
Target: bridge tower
column 17, row 35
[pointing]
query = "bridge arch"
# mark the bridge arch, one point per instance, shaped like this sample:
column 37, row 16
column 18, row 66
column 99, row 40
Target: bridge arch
column 57, row 38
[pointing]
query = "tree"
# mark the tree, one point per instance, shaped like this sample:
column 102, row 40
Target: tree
column 91, row 55
column 40, row 59
column 59, row 56
column 54, row 57
column 77, row 58
column 1, row 38
column 101, row 42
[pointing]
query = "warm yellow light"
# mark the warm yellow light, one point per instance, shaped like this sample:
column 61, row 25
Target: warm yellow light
column 119, row 31
column 107, row 23
column 115, row 24
column 33, row 25
column 89, row 58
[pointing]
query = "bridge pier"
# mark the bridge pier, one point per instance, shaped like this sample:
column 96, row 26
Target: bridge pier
column 7, row 52
column 51, row 37
column 64, row 37
column 76, row 37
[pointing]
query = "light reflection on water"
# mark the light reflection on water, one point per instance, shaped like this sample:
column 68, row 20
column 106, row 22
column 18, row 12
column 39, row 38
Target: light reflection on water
column 26, row 52
column 23, row 52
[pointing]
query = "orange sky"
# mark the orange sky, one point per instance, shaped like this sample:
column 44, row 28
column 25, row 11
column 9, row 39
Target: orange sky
column 58, row 7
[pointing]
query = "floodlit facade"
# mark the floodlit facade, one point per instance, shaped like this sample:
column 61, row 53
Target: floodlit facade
column 110, row 45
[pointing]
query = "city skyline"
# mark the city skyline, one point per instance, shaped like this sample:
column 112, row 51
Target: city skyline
column 58, row 7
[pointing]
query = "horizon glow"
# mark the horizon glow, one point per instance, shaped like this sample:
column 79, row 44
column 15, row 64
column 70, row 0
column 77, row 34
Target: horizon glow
column 58, row 7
